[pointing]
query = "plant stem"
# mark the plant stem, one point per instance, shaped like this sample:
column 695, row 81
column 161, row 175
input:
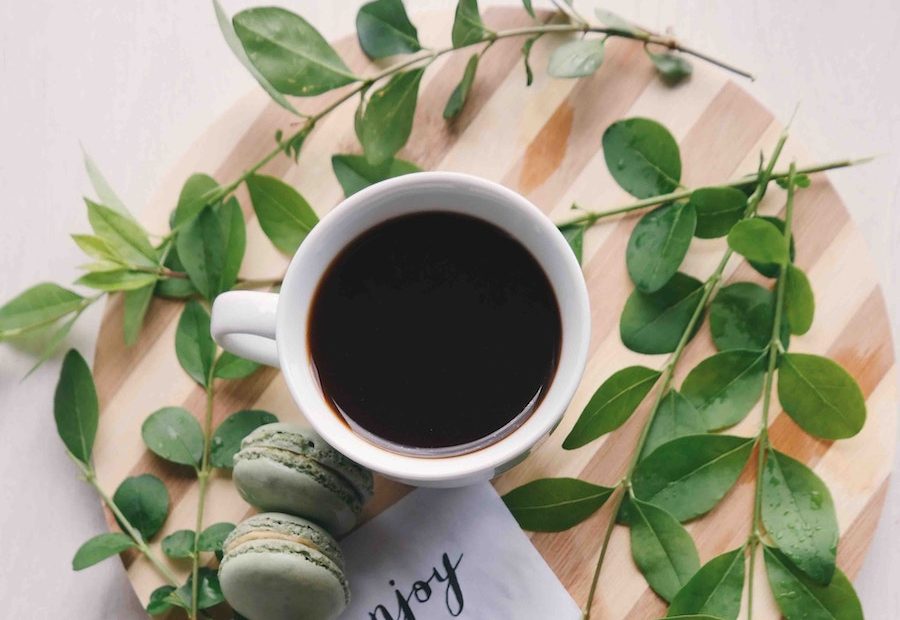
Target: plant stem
column 203, row 480
column 762, row 439
column 428, row 56
column 592, row 217
column 90, row 476
column 709, row 287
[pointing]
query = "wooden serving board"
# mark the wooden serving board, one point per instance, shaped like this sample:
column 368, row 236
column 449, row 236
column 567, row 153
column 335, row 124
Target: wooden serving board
column 543, row 142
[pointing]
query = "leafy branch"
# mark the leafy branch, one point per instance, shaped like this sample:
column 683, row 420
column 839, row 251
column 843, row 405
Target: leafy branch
column 681, row 467
column 668, row 371
column 76, row 411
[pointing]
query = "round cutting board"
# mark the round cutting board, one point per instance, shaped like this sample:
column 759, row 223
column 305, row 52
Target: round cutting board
column 544, row 142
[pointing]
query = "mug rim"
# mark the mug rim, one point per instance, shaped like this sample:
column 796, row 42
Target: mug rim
column 425, row 468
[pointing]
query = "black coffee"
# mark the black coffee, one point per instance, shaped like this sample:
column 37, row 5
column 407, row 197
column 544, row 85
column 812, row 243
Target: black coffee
column 434, row 330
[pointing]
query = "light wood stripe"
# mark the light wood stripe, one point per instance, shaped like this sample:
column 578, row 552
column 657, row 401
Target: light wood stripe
column 545, row 143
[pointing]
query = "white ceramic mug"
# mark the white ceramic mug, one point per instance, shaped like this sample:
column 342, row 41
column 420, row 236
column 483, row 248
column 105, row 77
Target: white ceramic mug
column 270, row 328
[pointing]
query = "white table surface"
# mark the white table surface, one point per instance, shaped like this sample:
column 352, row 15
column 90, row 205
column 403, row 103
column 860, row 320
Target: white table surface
column 136, row 82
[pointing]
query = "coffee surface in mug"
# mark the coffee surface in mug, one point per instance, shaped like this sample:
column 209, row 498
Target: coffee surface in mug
column 434, row 330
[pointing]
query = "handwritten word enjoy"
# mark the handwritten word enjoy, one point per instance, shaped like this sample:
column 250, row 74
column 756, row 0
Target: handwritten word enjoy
column 421, row 593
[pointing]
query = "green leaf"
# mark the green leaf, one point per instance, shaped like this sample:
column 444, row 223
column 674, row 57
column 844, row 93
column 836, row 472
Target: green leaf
column 179, row 544
column 800, row 598
column 99, row 548
column 230, row 366
column 662, row 549
column 158, row 603
column 52, row 344
column 555, row 504
column 576, row 59
column 283, row 213
column 174, row 434
column 459, row 95
column 118, row 280
column 209, row 592
column 529, row 8
column 289, row 53
column 526, row 58
column 758, row 240
column 658, row 245
column 144, row 501
column 387, row 119
column 102, row 266
column 123, row 235
column 714, row 590
column 213, row 537
column 725, row 387
column 611, row 405
column 616, row 22
column 820, row 396
column 137, row 301
column 688, row 476
column 799, row 516
column 194, row 345
column 675, row 417
column 354, row 173
column 231, row 38
column 211, row 248
column 226, row 440
column 75, row 407
column 672, row 68
column 654, row 322
column 95, row 247
column 718, row 209
column 175, row 288
column 741, row 317
column 384, row 29
column 468, row 28
column 105, row 192
column 37, row 307
column 642, row 157
column 196, row 193
column 799, row 301
column 574, row 234
column 771, row 270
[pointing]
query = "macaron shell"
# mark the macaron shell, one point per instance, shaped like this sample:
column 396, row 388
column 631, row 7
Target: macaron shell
column 282, row 581
column 274, row 486
column 306, row 441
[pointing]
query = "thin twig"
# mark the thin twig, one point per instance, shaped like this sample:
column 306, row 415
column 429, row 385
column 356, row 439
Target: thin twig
column 203, row 481
column 762, row 439
column 592, row 217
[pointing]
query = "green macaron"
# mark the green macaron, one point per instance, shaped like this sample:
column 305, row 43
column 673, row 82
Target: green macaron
column 281, row 567
column 288, row 468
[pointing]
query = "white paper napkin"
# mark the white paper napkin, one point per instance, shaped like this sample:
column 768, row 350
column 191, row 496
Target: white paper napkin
column 440, row 554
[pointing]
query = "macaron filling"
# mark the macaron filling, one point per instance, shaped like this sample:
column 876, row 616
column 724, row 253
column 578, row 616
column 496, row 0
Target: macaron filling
column 268, row 527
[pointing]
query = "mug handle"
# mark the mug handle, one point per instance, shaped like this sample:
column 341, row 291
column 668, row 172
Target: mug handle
column 243, row 323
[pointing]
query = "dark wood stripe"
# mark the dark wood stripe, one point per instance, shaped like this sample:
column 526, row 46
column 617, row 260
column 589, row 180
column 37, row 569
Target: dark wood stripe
column 571, row 136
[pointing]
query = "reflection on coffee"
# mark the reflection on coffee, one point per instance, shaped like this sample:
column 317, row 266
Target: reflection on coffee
column 434, row 330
